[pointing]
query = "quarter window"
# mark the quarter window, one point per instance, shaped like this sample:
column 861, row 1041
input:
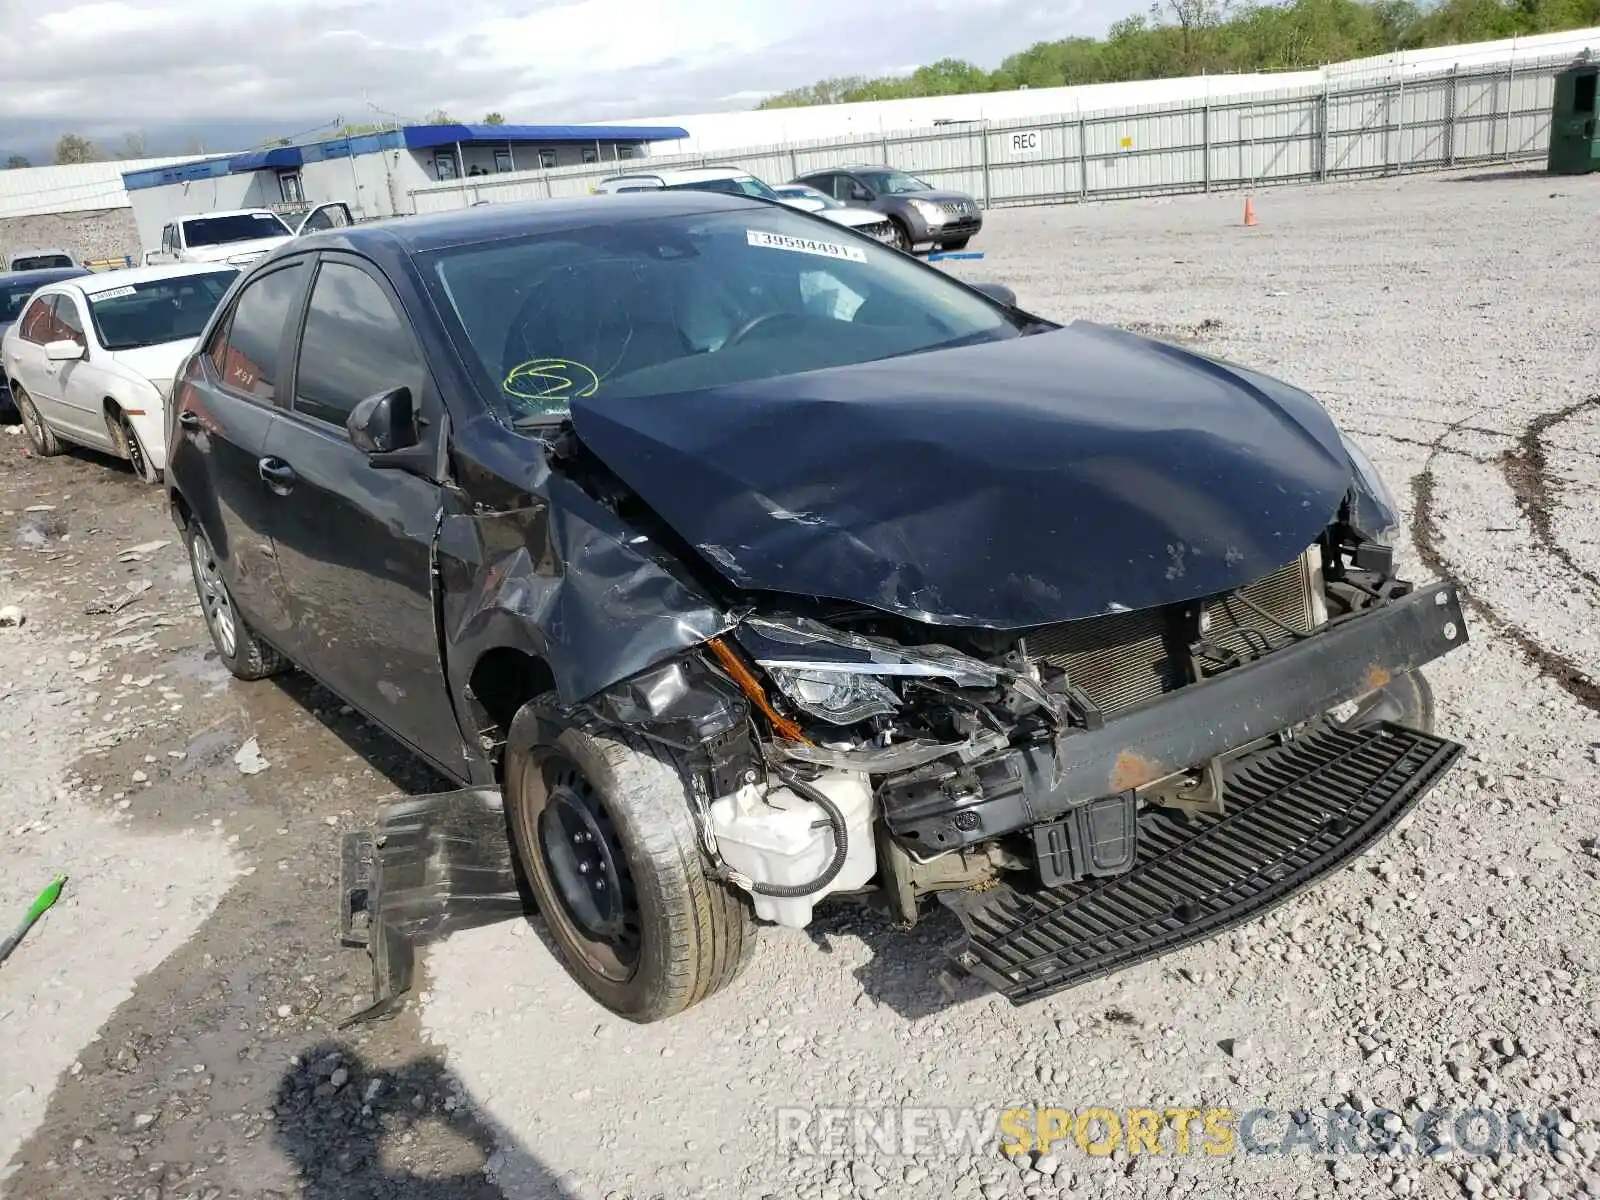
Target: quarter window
column 251, row 360
column 355, row 345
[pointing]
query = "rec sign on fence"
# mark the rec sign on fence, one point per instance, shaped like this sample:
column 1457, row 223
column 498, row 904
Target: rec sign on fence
column 1025, row 142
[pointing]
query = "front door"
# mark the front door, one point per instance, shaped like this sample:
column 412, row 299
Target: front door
column 224, row 408
column 355, row 543
column 334, row 215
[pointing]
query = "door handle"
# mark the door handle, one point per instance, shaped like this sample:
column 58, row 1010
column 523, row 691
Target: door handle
column 277, row 474
column 189, row 419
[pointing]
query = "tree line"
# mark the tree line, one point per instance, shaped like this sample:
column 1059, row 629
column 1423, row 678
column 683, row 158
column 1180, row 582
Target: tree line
column 1194, row 37
column 75, row 148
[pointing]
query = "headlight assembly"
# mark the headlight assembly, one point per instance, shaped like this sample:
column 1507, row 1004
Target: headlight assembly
column 930, row 212
column 838, row 677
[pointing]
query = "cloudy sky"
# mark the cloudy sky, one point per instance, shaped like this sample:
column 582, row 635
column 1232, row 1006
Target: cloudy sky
column 105, row 67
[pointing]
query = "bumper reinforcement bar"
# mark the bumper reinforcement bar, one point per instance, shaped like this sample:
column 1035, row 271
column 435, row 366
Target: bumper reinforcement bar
column 1294, row 814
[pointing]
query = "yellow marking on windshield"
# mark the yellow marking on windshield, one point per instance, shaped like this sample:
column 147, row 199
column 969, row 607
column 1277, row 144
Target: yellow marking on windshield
column 551, row 379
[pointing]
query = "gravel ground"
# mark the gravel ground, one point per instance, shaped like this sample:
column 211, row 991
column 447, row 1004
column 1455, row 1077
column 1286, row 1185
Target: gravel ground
column 1444, row 321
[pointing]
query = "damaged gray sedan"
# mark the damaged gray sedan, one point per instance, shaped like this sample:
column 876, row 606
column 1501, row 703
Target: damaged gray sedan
column 732, row 563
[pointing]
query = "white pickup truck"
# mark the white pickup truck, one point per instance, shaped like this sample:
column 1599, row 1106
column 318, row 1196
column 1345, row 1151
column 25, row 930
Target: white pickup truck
column 239, row 236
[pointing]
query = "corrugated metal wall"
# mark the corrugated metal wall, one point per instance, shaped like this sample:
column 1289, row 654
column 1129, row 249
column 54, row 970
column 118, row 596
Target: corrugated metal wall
column 1412, row 121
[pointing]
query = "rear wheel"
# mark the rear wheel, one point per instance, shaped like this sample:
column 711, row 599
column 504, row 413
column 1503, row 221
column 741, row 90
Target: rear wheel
column 604, row 828
column 40, row 436
column 241, row 651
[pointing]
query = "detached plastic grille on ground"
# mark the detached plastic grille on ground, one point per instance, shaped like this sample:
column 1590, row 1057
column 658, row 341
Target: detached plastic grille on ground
column 1291, row 816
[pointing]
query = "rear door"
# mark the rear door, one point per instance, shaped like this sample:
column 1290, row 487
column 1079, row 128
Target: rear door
column 27, row 364
column 354, row 543
column 76, row 404
column 224, row 406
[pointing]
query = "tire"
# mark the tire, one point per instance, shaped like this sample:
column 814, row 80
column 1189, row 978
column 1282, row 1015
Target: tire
column 958, row 244
column 675, row 937
column 1406, row 700
column 134, row 449
column 902, row 236
column 40, row 436
column 241, row 651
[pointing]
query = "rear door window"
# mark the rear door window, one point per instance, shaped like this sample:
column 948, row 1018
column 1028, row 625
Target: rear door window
column 252, row 358
column 355, row 344
column 39, row 321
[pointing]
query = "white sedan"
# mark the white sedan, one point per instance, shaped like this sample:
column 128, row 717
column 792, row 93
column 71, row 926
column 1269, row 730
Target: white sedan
column 90, row 360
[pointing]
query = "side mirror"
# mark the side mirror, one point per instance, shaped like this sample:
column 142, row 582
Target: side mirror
column 999, row 292
column 857, row 192
column 386, row 429
column 65, row 350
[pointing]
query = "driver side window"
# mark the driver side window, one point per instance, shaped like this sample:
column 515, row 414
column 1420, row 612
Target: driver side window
column 69, row 322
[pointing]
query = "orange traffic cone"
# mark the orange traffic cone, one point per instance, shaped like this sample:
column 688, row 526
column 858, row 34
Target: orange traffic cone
column 1250, row 210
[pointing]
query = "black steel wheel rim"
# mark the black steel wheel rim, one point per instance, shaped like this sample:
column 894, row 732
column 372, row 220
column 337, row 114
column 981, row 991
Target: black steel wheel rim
column 588, row 870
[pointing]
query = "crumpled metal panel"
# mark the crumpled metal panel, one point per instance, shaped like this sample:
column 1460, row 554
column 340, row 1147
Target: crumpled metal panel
column 1018, row 483
column 565, row 580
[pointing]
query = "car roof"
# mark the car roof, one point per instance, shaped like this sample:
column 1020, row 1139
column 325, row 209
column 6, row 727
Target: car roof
column 107, row 281
column 43, row 275
column 718, row 172
column 229, row 212
column 492, row 222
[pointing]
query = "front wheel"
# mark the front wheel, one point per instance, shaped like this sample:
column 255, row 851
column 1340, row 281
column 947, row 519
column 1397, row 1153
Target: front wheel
column 133, row 448
column 902, row 236
column 605, row 832
column 1406, row 700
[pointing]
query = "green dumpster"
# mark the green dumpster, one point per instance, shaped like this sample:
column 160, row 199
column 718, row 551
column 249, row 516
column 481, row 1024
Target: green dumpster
column 1574, row 138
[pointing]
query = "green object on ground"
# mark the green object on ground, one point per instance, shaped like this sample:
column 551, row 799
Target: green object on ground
column 36, row 910
column 1575, row 119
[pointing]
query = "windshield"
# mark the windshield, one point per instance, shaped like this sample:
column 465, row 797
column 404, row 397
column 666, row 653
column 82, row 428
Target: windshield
column 163, row 310
column 743, row 185
column 40, row 262
column 893, row 183
column 656, row 306
column 240, row 227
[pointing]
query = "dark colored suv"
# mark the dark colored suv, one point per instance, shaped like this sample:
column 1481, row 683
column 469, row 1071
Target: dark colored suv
column 923, row 214
column 731, row 561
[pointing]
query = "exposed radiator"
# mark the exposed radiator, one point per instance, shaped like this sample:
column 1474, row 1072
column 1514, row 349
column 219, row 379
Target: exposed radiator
column 1123, row 659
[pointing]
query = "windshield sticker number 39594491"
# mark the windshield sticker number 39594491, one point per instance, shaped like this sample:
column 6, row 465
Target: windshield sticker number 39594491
column 784, row 241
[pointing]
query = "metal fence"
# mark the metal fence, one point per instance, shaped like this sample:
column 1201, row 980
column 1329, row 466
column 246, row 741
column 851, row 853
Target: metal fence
column 1466, row 115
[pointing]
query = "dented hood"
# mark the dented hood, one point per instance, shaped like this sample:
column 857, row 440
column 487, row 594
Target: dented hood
column 1044, row 478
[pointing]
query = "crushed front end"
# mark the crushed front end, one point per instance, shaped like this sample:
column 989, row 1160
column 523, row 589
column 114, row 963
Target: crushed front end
column 1086, row 795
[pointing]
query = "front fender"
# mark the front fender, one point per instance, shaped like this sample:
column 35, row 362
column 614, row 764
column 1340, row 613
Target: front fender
column 564, row 581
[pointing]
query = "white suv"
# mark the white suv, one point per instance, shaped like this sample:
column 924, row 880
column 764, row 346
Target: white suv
column 737, row 182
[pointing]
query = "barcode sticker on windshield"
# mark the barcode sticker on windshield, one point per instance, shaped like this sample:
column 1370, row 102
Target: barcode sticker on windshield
column 784, row 241
column 114, row 294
